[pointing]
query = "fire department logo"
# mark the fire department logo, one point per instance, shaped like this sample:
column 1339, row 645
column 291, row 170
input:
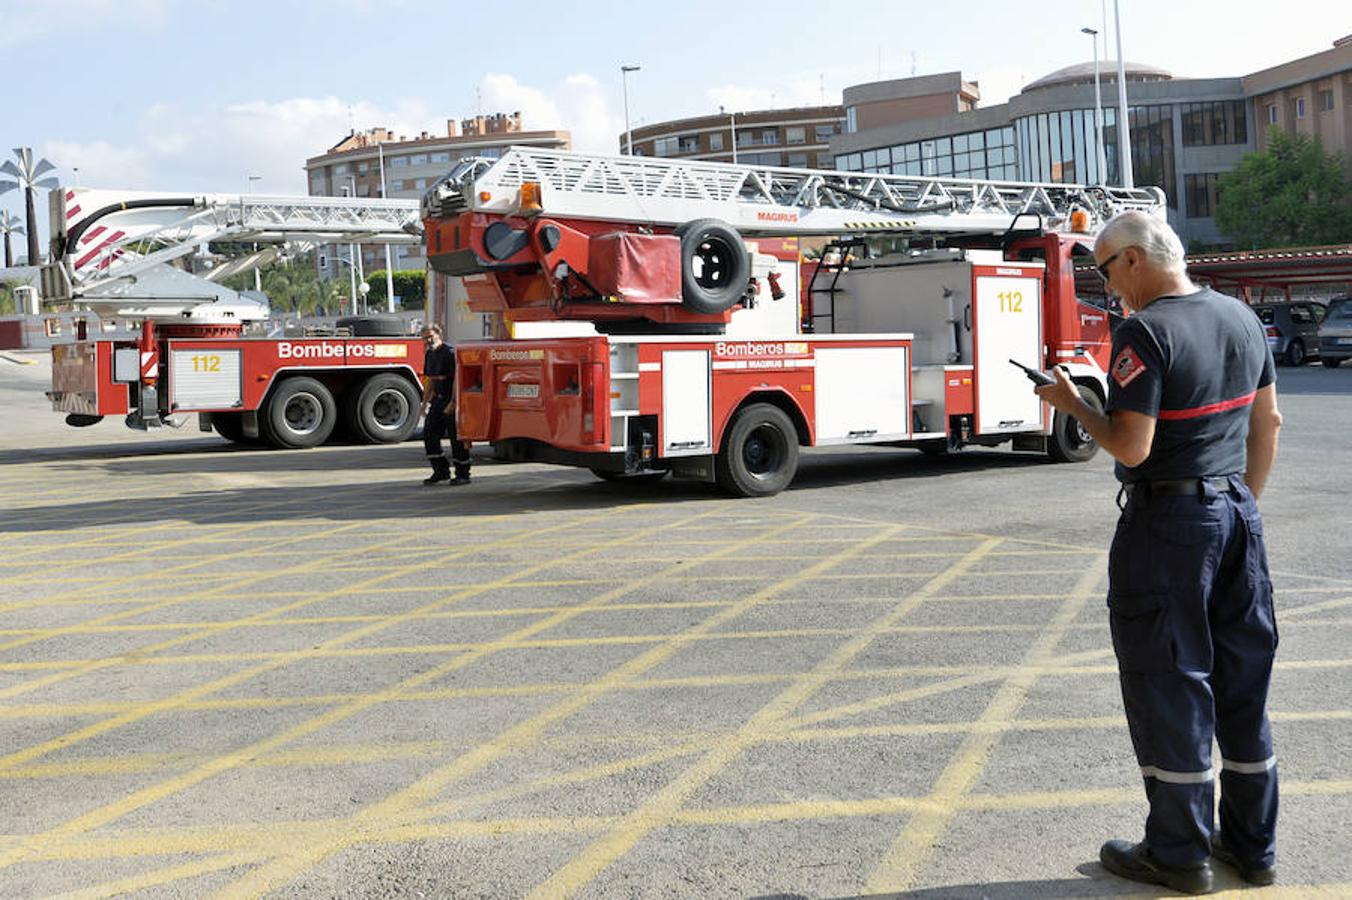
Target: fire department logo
column 1127, row 367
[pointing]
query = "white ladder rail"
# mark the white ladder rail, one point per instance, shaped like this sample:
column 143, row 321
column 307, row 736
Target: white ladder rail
column 766, row 199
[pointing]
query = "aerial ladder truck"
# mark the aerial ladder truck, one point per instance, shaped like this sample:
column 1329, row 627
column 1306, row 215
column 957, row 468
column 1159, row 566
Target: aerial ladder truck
column 127, row 255
column 712, row 350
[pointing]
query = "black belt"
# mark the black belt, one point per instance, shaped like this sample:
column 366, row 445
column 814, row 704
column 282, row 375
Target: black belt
column 1178, row 487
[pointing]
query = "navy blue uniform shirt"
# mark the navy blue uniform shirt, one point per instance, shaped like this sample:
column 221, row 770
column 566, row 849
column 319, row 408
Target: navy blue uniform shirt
column 1194, row 362
column 440, row 362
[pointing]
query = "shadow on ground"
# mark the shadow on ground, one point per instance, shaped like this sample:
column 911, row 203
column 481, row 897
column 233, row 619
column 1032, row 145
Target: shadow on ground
column 363, row 487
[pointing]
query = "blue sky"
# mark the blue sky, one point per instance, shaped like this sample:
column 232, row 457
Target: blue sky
column 195, row 96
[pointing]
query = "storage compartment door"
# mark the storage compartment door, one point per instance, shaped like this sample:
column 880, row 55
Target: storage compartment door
column 1007, row 325
column 861, row 394
column 685, row 403
column 205, row 378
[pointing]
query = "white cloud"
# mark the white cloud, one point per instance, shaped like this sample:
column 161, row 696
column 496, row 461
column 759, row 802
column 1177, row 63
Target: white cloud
column 208, row 149
column 804, row 90
column 579, row 105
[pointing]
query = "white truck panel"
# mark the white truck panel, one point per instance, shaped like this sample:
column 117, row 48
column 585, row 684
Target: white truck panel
column 861, row 394
column 686, row 427
column 1009, row 326
column 205, row 379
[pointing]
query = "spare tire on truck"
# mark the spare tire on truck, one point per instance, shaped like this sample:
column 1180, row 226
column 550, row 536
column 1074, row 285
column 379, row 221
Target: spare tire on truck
column 715, row 266
column 373, row 326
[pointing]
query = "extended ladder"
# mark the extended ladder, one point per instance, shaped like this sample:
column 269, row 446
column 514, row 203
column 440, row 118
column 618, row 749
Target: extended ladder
column 108, row 238
column 766, row 200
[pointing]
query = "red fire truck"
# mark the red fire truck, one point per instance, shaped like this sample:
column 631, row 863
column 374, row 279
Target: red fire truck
column 124, row 255
column 711, row 356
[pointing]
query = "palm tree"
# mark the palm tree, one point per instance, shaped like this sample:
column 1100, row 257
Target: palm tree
column 9, row 225
column 28, row 176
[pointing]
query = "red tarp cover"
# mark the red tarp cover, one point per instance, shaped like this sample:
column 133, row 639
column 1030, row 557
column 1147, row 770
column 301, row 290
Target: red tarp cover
column 637, row 268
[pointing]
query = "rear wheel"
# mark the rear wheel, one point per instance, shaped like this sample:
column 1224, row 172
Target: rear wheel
column 760, row 452
column 1295, row 353
column 231, row 427
column 1331, row 362
column 1069, row 441
column 385, row 409
column 301, row 413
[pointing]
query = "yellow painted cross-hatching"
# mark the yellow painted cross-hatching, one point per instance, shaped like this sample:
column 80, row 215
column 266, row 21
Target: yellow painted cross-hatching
column 636, row 605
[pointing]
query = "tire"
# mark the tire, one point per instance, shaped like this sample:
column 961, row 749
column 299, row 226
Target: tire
column 385, row 409
column 1331, row 362
column 637, row 478
column 231, row 427
column 1295, row 353
column 715, row 266
column 1069, row 442
column 760, row 452
column 300, row 413
column 373, row 326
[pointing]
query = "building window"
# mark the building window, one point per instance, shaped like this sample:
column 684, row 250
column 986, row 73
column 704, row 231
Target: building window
column 824, row 132
column 1201, row 194
column 851, row 121
column 1272, row 113
column 795, row 135
column 688, row 143
column 746, row 138
column 398, row 161
column 439, row 157
column 418, row 159
column 824, row 161
column 716, row 141
column 1208, row 124
column 770, row 136
column 797, row 161
column 341, row 169
column 1300, row 107
column 361, row 168
column 1326, row 100
column 668, row 146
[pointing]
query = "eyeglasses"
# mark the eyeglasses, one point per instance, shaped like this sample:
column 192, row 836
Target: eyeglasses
column 1103, row 266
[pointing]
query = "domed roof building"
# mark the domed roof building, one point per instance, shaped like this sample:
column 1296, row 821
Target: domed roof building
column 1083, row 73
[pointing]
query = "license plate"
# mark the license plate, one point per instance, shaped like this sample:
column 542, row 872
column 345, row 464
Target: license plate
column 523, row 391
column 1347, row 340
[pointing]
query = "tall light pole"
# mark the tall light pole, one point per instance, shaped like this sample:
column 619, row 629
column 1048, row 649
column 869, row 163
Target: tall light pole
column 1098, row 112
column 628, row 135
column 248, row 189
column 389, row 264
column 1123, row 122
column 351, row 264
column 28, row 177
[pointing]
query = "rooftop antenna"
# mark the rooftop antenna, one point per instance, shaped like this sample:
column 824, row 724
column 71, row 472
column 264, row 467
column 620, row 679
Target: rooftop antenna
column 821, row 87
column 479, row 101
column 880, row 62
column 912, row 63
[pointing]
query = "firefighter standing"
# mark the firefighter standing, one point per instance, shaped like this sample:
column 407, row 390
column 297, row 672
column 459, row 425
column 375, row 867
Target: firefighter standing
column 439, row 409
column 1192, row 421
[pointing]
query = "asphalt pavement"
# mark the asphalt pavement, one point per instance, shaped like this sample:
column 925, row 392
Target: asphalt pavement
column 237, row 672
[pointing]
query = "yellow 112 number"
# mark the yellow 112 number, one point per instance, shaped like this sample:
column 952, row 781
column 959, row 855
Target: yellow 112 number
column 211, row 363
column 1011, row 301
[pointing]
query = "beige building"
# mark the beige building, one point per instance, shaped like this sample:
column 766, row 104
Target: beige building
column 798, row 138
column 1311, row 95
column 351, row 167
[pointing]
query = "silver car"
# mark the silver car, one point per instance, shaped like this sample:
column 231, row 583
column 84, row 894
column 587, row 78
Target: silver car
column 1335, row 333
column 1292, row 329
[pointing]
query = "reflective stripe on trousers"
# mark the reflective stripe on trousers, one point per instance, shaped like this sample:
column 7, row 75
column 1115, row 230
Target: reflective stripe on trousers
column 1190, row 605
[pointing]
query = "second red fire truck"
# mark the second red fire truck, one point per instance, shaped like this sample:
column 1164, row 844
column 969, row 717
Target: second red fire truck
column 711, row 356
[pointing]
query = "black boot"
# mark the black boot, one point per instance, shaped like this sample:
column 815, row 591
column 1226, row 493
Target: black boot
column 1254, row 874
column 461, row 475
column 1134, row 861
column 441, row 470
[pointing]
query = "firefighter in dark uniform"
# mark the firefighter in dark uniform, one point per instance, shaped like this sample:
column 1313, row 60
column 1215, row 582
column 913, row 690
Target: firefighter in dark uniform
column 439, row 409
column 1192, row 421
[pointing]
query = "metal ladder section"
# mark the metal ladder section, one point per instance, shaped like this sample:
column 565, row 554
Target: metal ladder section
column 123, row 243
column 766, row 200
column 841, row 250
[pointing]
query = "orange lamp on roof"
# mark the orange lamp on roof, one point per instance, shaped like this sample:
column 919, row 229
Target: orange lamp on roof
column 529, row 198
column 1079, row 221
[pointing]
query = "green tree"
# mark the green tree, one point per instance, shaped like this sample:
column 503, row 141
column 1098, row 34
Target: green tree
column 294, row 286
column 1292, row 194
column 410, row 286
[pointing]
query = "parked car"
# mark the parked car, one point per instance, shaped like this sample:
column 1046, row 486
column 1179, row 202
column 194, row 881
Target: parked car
column 1292, row 329
column 1335, row 333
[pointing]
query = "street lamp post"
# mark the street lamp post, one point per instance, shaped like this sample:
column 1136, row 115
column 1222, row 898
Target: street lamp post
column 624, row 80
column 248, row 189
column 1098, row 112
column 389, row 264
column 351, row 264
column 1123, row 122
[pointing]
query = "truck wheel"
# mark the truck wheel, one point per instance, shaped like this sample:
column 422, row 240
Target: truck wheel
column 386, row 409
column 231, row 427
column 301, row 413
column 715, row 266
column 760, row 452
column 1331, row 362
column 1069, row 441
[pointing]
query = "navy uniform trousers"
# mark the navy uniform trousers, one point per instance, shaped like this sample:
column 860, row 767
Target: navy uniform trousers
column 1190, row 605
column 437, row 425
